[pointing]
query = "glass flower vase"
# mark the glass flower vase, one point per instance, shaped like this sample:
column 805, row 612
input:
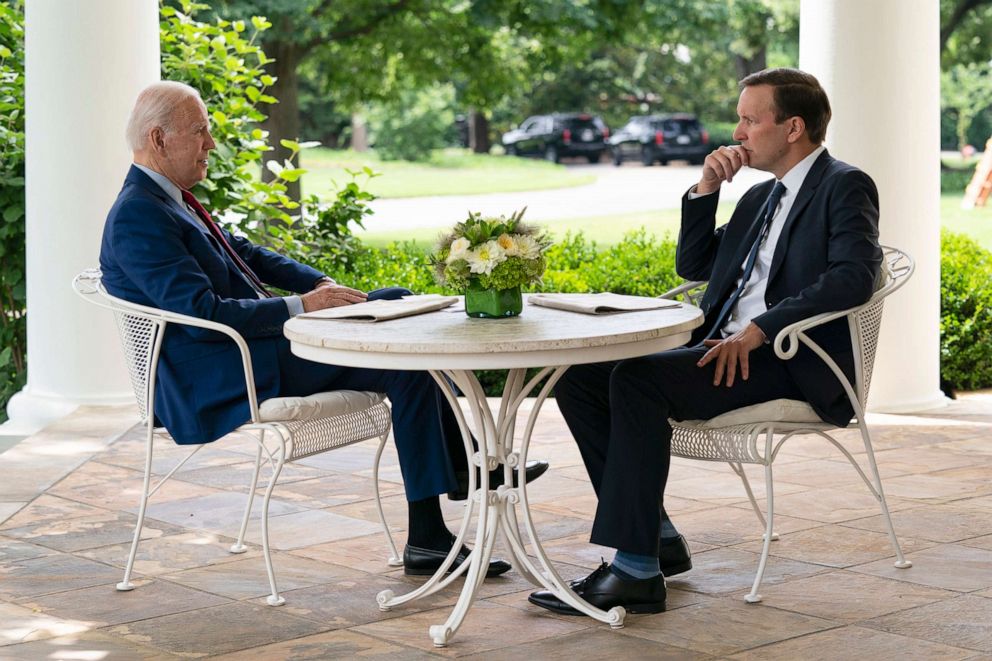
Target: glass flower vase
column 492, row 303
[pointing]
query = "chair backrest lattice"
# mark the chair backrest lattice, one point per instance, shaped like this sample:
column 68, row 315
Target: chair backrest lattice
column 138, row 336
column 866, row 322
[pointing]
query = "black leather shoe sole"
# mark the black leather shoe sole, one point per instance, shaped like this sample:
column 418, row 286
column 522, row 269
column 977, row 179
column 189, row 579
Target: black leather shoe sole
column 553, row 603
column 534, row 470
column 426, row 562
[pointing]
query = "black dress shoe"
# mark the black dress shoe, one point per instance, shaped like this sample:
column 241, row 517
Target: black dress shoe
column 424, row 562
column 534, row 470
column 604, row 590
column 674, row 556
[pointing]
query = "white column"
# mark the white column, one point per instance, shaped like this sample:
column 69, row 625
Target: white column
column 86, row 61
column 879, row 62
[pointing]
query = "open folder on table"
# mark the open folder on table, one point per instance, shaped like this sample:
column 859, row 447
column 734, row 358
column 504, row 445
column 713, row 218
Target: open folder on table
column 382, row 310
column 604, row 303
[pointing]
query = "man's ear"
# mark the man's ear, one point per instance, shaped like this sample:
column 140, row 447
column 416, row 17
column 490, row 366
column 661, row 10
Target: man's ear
column 797, row 128
column 156, row 139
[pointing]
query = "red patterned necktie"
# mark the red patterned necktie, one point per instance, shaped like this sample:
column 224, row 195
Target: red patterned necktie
column 219, row 235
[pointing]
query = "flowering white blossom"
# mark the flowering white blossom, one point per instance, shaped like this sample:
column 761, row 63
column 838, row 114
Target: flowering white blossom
column 458, row 249
column 485, row 258
column 508, row 242
column 527, row 247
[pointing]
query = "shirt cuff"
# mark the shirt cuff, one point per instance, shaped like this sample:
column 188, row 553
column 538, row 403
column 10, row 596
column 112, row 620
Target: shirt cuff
column 693, row 195
column 294, row 304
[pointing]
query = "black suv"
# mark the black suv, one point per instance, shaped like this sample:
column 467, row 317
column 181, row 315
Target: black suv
column 650, row 138
column 558, row 135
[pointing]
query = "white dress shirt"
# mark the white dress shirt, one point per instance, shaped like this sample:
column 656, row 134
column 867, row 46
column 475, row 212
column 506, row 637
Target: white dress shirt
column 752, row 300
column 293, row 303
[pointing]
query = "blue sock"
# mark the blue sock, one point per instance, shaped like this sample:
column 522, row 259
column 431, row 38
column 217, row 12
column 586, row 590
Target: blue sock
column 630, row 566
column 668, row 531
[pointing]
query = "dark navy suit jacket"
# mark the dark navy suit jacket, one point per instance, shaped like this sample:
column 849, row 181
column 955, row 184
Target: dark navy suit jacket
column 827, row 258
column 155, row 253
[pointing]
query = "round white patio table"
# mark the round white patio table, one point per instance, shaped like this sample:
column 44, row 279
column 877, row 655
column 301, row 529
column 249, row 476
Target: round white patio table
column 449, row 345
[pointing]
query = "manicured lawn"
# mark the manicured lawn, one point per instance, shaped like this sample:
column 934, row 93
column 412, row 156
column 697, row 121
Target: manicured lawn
column 976, row 223
column 448, row 172
column 607, row 230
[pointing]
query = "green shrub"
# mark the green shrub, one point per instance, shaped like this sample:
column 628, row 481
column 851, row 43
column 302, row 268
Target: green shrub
column 13, row 298
column 223, row 61
column 955, row 179
column 721, row 133
column 415, row 124
column 965, row 313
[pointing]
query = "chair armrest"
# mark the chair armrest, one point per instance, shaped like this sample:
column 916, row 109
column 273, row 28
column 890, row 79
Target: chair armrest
column 687, row 290
column 89, row 286
column 897, row 268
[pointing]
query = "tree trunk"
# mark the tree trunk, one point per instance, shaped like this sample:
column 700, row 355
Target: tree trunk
column 284, row 117
column 478, row 132
column 745, row 66
column 359, row 133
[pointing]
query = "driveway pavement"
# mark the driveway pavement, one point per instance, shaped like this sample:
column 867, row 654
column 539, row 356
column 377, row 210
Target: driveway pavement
column 627, row 189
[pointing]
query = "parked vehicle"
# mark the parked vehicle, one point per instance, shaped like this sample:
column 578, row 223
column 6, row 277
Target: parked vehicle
column 553, row 137
column 661, row 138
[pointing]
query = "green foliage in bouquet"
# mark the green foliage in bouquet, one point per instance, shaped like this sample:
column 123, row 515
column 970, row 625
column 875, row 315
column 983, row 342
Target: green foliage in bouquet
column 497, row 253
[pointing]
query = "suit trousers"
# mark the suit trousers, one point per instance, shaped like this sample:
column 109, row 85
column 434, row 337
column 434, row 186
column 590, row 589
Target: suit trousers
column 428, row 441
column 618, row 413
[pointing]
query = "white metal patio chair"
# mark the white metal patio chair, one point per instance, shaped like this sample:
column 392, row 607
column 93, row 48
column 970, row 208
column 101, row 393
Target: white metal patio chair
column 300, row 426
column 747, row 435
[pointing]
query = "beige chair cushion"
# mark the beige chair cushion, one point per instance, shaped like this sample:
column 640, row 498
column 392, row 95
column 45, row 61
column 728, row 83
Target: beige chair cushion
column 777, row 410
column 319, row 405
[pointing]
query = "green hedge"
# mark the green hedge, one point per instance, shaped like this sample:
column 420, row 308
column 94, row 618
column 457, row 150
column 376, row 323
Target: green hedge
column 644, row 265
column 965, row 313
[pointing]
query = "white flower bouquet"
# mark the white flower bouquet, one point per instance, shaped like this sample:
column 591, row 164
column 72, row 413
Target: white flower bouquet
column 490, row 253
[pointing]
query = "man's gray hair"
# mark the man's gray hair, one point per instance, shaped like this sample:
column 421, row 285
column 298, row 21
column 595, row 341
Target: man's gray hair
column 156, row 107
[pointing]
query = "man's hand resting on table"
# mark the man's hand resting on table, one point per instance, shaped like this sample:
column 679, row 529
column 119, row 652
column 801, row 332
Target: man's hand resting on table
column 329, row 295
column 731, row 352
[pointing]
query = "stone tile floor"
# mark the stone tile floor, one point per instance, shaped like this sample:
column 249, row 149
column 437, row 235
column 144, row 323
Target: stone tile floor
column 68, row 498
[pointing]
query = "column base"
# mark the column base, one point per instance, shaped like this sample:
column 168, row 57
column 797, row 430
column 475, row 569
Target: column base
column 29, row 412
column 935, row 400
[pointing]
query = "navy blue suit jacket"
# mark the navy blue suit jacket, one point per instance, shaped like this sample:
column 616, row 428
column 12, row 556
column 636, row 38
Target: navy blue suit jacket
column 827, row 258
column 155, row 253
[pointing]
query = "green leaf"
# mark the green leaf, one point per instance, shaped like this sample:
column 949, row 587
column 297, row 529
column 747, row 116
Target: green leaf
column 290, row 144
column 292, row 175
column 260, row 23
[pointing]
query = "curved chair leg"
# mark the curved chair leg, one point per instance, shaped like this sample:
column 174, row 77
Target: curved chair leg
column 739, row 469
column 901, row 562
column 273, row 599
column 239, row 546
column 126, row 584
column 394, row 559
column 754, row 597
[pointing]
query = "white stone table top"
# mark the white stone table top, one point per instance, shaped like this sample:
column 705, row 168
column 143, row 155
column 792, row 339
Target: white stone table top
column 448, row 339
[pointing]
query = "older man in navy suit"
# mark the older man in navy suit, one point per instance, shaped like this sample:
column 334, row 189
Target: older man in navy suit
column 798, row 245
column 161, row 248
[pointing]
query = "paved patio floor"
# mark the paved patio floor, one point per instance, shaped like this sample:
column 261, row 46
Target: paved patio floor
column 68, row 502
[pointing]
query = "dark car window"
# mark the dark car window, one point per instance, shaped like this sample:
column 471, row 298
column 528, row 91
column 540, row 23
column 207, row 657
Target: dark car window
column 579, row 123
column 678, row 125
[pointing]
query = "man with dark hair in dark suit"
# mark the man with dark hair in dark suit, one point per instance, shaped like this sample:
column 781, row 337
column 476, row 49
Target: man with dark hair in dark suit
column 801, row 244
column 162, row 249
